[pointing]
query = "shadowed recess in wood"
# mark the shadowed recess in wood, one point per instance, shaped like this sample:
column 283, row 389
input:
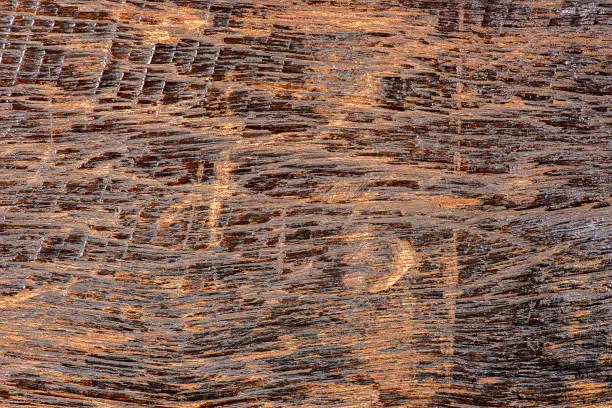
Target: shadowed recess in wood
column 306, row 203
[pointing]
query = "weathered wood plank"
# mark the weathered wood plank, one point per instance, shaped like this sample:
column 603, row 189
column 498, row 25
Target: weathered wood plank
column 376, row 203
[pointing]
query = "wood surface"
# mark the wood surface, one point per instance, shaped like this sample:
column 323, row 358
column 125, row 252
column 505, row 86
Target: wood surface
column 292, row 203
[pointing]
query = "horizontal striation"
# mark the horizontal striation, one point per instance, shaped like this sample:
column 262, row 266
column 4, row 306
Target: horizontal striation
column 378, row 203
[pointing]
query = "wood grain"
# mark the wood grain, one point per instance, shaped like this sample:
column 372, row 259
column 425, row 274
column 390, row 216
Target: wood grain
column 377, row 203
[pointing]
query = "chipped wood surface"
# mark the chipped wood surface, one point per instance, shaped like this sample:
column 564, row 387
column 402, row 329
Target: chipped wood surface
column 375, row 203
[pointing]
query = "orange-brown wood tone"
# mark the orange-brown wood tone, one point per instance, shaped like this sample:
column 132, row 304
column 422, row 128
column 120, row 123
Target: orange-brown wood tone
column 293, row 203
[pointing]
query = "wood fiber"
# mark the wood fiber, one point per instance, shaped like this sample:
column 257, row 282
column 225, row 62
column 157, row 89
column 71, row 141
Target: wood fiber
column 292, row 203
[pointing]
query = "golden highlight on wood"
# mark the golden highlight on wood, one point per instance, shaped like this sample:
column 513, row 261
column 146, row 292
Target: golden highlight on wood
column 305, row 203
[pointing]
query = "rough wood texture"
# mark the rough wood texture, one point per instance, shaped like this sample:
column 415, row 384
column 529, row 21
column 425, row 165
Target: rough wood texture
column 282, row 203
